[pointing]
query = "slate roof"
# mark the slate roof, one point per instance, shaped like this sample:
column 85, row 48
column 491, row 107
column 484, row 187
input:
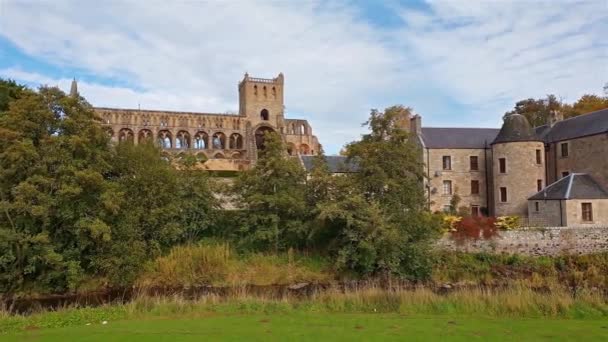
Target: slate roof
column 579, row 126
column 336, row 164
column 440, row 137
column 574, row 186
column 515, row 128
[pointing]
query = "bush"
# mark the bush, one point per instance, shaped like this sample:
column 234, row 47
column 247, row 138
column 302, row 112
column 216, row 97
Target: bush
column 507, row 222
column 475, row 228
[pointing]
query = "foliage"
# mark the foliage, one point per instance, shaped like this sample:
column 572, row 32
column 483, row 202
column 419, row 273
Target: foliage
column 375, row 220
column 475, row 228
column 538, row 111
column 272, row 195
column 449, row 223
column 74, row 206
column 507, row 222
column 210, row 263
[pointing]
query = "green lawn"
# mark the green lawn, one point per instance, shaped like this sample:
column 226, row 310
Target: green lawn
column 324, row 326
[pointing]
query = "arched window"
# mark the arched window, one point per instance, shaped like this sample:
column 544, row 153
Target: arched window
column 125, row 134
column 201, row 140
column 219, row 141
column 274, row 92
column 144, row 135
column 265, row 94
column 182, row 140
column 304, row 149
column 236, row 141
column 218, row 156
column 255, row 90
column 164, row 139
column 237, row 155
column 264, row 115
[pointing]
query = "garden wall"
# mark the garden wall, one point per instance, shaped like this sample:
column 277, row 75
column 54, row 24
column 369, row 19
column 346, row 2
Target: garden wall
column 535, row 241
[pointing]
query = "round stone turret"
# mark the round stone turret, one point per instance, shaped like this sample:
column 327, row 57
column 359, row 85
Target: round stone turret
column 518, row 159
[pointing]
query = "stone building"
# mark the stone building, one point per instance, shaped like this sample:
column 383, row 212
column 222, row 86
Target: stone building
column 497, row 171
column 223, row 141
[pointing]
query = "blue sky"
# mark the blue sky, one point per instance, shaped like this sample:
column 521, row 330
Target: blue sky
column 456, row 63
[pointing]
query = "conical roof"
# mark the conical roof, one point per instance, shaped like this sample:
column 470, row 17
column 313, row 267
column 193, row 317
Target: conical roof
column 515, row 128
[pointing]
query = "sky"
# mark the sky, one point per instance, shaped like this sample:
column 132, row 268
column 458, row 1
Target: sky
column 459, row 63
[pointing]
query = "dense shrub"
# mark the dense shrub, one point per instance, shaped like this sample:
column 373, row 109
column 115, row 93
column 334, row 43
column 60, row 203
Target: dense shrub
column 475, row 228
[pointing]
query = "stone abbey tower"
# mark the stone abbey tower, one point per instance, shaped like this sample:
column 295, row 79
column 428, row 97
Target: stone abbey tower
column 223, row 141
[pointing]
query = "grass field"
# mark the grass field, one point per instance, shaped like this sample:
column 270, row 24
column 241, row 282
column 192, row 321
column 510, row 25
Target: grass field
column 324, row 326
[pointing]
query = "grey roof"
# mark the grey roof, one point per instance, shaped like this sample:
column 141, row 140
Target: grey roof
column 336, row 164
column 439, row 137
column 574, row 186
column 515, row 128
column 579, row 126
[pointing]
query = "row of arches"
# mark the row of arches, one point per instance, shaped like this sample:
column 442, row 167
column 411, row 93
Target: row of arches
column 202, row 156
column 183, row 140
column 302, row 149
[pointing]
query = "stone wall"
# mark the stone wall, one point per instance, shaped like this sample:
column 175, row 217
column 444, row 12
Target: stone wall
column 536, row 241
column 460, row 175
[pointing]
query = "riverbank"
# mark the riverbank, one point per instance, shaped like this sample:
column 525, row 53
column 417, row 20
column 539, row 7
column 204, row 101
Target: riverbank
column 505, row 313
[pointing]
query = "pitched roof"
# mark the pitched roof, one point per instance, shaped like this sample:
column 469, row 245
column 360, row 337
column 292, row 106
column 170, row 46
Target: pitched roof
column 440, row 137
column 579, row 126
column 336, row 164
column 574, row 186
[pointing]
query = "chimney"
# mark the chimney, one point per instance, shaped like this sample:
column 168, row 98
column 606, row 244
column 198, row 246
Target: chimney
column 416, row 125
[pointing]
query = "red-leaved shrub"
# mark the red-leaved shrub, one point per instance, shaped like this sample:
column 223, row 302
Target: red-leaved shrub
column 475, row 228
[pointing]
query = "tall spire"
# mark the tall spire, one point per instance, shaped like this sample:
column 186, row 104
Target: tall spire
column 74, row 89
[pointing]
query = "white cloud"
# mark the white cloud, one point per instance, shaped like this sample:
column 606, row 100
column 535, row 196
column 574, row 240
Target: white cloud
column 482, row 56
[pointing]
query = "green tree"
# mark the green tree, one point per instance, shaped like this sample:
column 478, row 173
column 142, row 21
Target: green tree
column 272, row 196
column 537, row 111
column 378, row 214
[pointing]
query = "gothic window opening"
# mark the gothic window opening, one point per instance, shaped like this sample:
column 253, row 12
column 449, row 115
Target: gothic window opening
column 182, row 140
column 219, row 141
column 264, row 115
column 164, row 139
column 304, row 149
column 274, row 92
column 125, row 134
column 201, row 141
column 144, row 135
column 236, row 141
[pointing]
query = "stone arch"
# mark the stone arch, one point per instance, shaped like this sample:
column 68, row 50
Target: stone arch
column 144, row 135
column 304, row 149
column 165, row 139
column 259, row 136
column 291, row 149
column 219, row 156
column 218, row 141
column 264, row 114
column 237, row 155
column 236, row 141
column 201, row 140
column 182, row 139
column 126, row 134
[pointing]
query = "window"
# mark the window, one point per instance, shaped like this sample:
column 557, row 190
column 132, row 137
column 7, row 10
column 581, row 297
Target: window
column 539, row 184
column 264, row 114
column 474, row 163
column 474, row 187
column 536, row 206
column 474, row 210
column 447, row 208
column 447, row 187
column 502, row 165
column 564, row 147
column 587, row 212
column 447, row 162
column 565, row 174
column 503, row 195
column 539, row 157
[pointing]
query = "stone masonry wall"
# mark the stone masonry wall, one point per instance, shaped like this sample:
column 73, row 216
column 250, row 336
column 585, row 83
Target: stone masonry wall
column 536, row 242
